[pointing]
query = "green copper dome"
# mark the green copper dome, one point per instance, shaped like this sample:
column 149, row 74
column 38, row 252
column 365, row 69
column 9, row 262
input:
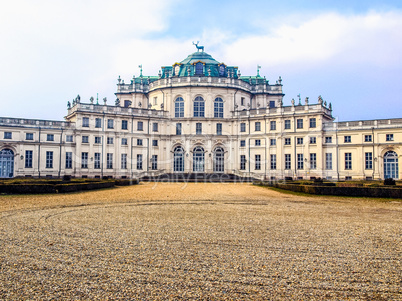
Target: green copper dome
column 199, row 56
column 199, row 64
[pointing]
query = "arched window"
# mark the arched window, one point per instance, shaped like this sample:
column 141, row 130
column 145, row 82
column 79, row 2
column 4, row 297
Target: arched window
column 179, row 107
column 219, row 158
column 198, row 159
column 199, row 68
column 218, row 108
column 199, row 107
column 391, row 165
column 6, row 163
column 178, row 159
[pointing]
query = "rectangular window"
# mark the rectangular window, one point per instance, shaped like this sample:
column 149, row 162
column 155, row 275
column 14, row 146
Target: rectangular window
column 140, row 126
column 8, row 135
column 49, row 137
column 369, row 160
column 154, row 142
column 139, row 162
column 258, row 126
column 313, row 140
column 300, row 161
column 123, row 141
column 288, row 162
column 49, row 159
column 272, row 142
column 299, row 123
column 123, row 161
column 97, row 160
column 219, row 128
column 299, row 140
column 347, row 139
column 242, row 143
column 124, row 124
column 328, row 139
column 367, row 138
column 328, row 161
column 84, row 160
column 178, row 128
column 69, row 160
column 155, row 127
column 85, row 122
column 154, row 162
column 348, row 160
column 287, row 124
column 287, row 141
column 242, row 127
column 139, row 142
column 109, row 140
column 155, row 101
column 390, row 137
column 28, row 158
column 257, row 142
column 242, row 101
column 98, row 140
column 242, row 162
column 198, row 128
column 272, row 103
column 69, row 138
column 257, row 162
column 109, row 161
column 85, row 139
column 273, row 125
column 313, row 161
column 110, row 124
column 29, row 136
column 98, row 123
column 273, row 161
column 313, row 123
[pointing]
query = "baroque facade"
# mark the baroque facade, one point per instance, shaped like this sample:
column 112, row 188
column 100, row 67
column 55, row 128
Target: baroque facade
column 201, row 116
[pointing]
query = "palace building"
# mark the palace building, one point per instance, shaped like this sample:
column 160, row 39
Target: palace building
column 204, row 117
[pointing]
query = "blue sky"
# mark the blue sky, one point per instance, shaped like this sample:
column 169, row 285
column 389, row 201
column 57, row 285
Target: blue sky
column 347, row 51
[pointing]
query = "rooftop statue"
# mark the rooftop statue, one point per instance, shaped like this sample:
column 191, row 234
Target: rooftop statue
column 198, row 47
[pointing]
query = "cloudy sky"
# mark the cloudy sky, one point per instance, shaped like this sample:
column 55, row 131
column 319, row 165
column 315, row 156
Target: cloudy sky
column 350, row 52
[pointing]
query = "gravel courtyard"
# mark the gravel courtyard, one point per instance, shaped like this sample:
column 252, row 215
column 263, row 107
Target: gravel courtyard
column 158, row 241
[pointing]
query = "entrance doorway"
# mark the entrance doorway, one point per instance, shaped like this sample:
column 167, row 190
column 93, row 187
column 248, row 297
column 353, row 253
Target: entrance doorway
column 6, row 163
column 391, row 165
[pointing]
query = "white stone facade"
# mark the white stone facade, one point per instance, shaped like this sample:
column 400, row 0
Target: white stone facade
column 184, row 122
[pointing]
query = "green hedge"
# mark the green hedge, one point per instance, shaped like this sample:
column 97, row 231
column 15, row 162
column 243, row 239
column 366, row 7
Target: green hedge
column 378, row 192
column 57, row 186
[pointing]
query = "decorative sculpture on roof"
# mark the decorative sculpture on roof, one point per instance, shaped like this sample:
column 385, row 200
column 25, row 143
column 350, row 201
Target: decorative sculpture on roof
column 306, row 101
column 104, row 100
column 293, row 101
column 68, row 105
column 78, row 99
column 117, row 102
column 320, row 100
column 330, row 106
column 198, row 47
column 91, row 100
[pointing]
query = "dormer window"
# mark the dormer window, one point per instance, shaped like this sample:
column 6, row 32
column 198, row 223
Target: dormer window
column 221, row 70
column 177, row 70
column 199, row 68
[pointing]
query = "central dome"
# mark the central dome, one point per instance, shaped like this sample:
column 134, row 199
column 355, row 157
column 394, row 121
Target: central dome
column 199, row 56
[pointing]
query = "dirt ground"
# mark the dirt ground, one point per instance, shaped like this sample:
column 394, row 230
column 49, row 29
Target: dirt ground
column 177, row 241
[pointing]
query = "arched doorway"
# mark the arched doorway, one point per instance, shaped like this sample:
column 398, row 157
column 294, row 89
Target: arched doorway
column 178, row 159
column 6, row 163
column 198, row 159
column 391, row 165
column 219, row 158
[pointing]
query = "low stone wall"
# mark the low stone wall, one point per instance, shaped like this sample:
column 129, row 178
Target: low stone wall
column 377, row 192
column 41, row 187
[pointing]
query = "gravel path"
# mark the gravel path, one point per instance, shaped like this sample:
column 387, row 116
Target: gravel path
column 199, row 241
